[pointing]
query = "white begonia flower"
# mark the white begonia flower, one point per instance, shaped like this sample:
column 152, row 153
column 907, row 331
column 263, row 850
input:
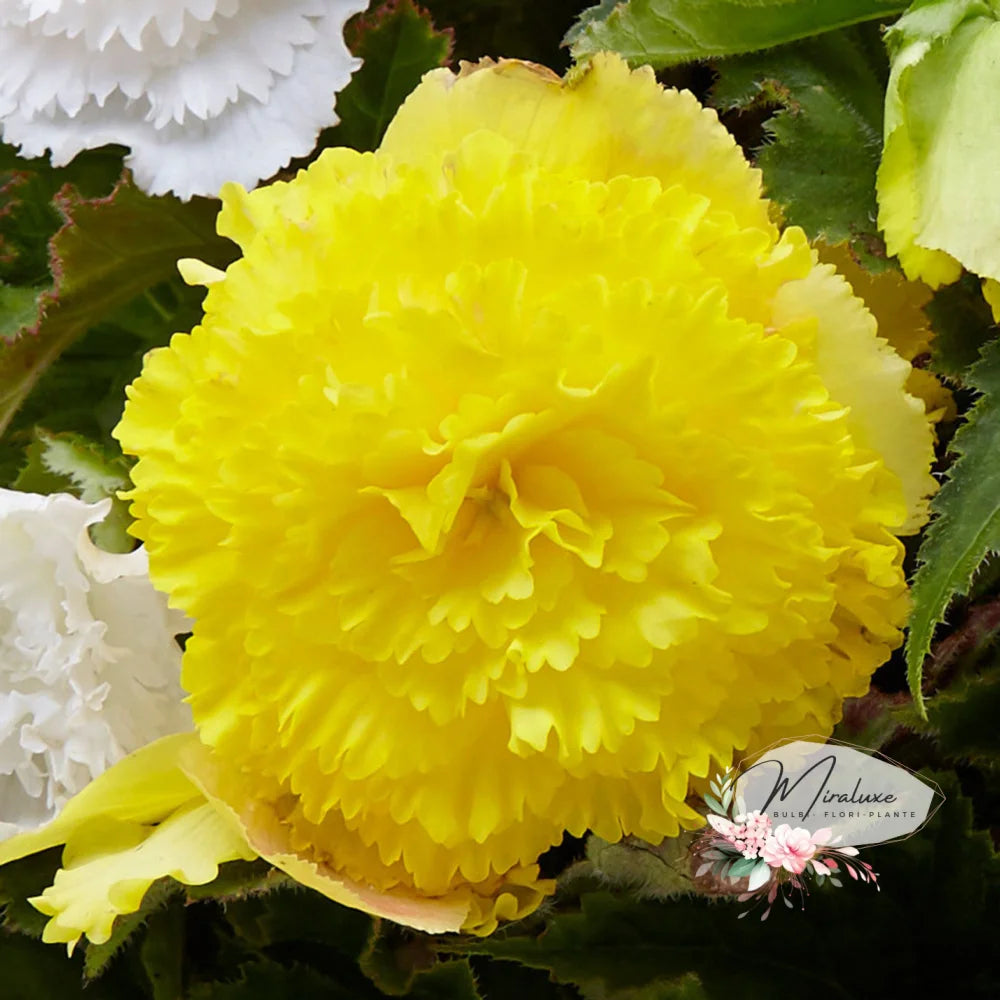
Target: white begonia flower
column 89, row 663
column 202, row 91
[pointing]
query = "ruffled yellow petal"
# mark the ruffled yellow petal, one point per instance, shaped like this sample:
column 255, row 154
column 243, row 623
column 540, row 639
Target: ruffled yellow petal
column 140, row 821
column 896, row 303
column 197, row 272
column 865, row 374
column 991, row 292
column 260, row 823
column 141, row 789
column 607, row 121
column 107, row 871
column 898, row 307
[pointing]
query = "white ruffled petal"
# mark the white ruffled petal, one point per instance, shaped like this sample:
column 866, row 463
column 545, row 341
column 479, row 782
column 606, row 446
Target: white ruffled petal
column 89, row 663
column 202, row 91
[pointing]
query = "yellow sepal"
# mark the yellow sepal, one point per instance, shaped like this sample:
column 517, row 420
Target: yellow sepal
column 140, row 821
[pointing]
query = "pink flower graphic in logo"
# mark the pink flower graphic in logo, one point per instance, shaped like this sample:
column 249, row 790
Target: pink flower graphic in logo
column 769, row 861
column 748, row 834
column 793, row 849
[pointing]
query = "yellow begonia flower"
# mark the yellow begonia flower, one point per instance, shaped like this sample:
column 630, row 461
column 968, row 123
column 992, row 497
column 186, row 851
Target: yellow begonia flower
column 937, row 186
column 520, row 473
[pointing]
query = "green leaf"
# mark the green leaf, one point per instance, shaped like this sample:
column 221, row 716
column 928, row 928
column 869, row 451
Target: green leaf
column 109, row 251
column 962, row 324
column 394, row 956
column 656, row 871
column 964, row 719
column 29, row 218
column 98, row 957
column 162, row 953
column 871, row 721
column 93, row 471
column 69, row 463
column 759, row 875
column 967, row 522
column 715, row 805
column 742, row 868
column 826, row 138
column 523, row 28
column 34, row 477
column 398, row 43
column 19, row 881
column 446, row 981
column 84, row 390
column 239, row 880
column 18, row 308
column 937, row 183
column 615, row 944
column 687, row 987
column 668, row 32
column 265, row 979
column 291, row 913
column 401, row 962
column 31, row 970
column 610, row 945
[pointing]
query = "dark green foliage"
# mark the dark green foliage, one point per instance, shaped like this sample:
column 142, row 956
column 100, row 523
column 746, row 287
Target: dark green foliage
column 825, row 133
column 264, row 979
column 70, row 463
column 394, row 956
column 34, row 971
column 667, row 32
column 521, row 29
column 446, row 981
column 398, row 44
column 289, row 913
column 962, row 324
column 510, row 981
column 162, row 953
column 29, row 217
column 965, row 719
column 240, row 880
column 966, row 526
column 107, row 252
column 126, row 931
column 617, row 944
column 18, row 308
column 612, row 946
column 21, row 880
column 31, row 970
